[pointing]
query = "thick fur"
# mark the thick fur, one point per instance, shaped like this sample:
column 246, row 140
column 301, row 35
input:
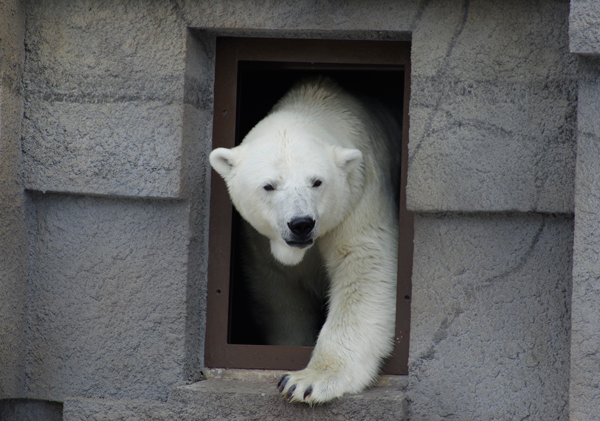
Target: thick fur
column 322, row 154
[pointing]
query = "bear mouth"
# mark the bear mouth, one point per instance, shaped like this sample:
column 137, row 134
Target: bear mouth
column 300, row 244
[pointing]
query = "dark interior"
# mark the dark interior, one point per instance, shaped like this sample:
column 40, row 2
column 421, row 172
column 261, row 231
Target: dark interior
column 260, row 86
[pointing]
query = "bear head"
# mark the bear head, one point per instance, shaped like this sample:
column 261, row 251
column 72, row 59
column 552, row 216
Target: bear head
column 290, row 182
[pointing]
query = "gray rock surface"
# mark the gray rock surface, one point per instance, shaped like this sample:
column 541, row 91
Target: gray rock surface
column 487, row 133
column 584, row 27
column 490, row 317
column 585, row 332
column 110, row 104
column 108, row 298
column 492, row 108
column 104, row 97
column 13, row 225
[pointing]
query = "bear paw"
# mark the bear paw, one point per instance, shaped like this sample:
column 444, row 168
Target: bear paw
column 311, row 386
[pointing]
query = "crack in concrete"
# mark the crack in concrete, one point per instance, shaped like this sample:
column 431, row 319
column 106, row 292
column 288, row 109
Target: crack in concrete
column 440, row 73
column 522, row 261
column 442, row 332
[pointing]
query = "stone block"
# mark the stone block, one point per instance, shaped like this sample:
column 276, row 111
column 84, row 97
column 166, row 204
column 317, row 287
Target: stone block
column 104, row 90
column 96, row 52
column 108, row 298
column 126, row 149
column 585, row 335
column 490, row 317
column 492, row 109
column 13, row 221
column 584, row 27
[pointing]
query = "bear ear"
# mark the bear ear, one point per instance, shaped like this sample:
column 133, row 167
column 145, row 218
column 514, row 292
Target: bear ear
column 221, row 160
column 349, row 159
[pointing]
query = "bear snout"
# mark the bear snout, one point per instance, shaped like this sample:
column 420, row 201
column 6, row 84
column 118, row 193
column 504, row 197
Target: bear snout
column 301, row 226
column 301, row 229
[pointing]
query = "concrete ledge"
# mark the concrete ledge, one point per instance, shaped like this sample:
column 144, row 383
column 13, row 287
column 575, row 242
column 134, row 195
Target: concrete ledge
column 240, row 400
column 273, row 376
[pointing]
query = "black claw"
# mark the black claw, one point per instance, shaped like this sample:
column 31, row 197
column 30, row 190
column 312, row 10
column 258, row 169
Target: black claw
column 291, row 391
column 282, row 382
column 308, row 391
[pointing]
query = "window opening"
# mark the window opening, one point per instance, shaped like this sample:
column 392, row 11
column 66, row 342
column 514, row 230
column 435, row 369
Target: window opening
column 251, row 76
column 253, row 103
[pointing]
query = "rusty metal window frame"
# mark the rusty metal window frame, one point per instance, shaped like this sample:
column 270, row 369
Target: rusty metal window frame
column 301, row 53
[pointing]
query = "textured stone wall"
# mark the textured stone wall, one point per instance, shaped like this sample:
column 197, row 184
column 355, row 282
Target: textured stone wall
column 115, row 133
column 584, row 31
column 492, row 108
column 490, row 308
column 584, row 27
column 13, row 230
column 108, row 288
column 104, row 90
column 585, row 334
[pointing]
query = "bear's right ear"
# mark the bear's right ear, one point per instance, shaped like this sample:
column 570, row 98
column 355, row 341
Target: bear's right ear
column 221, row 160
column 349, row 159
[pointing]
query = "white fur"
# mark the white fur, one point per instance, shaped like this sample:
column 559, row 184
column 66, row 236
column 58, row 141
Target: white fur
column 319, row 132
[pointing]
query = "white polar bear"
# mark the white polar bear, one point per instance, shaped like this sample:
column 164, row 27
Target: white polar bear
column 317, row 178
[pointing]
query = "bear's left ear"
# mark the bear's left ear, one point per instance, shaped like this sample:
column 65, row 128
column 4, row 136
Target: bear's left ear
column 348, row 159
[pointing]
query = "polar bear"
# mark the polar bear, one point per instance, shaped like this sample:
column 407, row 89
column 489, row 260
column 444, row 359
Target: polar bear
column 316, row 181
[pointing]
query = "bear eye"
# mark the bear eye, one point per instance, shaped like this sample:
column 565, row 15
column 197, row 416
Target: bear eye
column 317, row 183
column 269, row 187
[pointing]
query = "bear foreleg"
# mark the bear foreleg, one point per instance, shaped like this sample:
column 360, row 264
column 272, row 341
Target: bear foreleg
column 358, row 333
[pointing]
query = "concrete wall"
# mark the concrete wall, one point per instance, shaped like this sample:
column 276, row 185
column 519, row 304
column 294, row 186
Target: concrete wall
column 109, row 292
column 13, row 228
column 113, row 119
column 116, row 129
column 584, row 31
column 585, row 339
column 584, row 27
column 104, row 92
column 492, row 108
column 490, row 327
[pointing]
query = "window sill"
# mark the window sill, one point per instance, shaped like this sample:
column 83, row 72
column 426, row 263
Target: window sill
column 242, row 400
column 259, row 399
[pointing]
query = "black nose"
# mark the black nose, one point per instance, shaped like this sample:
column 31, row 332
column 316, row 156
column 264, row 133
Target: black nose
column 301, row 226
